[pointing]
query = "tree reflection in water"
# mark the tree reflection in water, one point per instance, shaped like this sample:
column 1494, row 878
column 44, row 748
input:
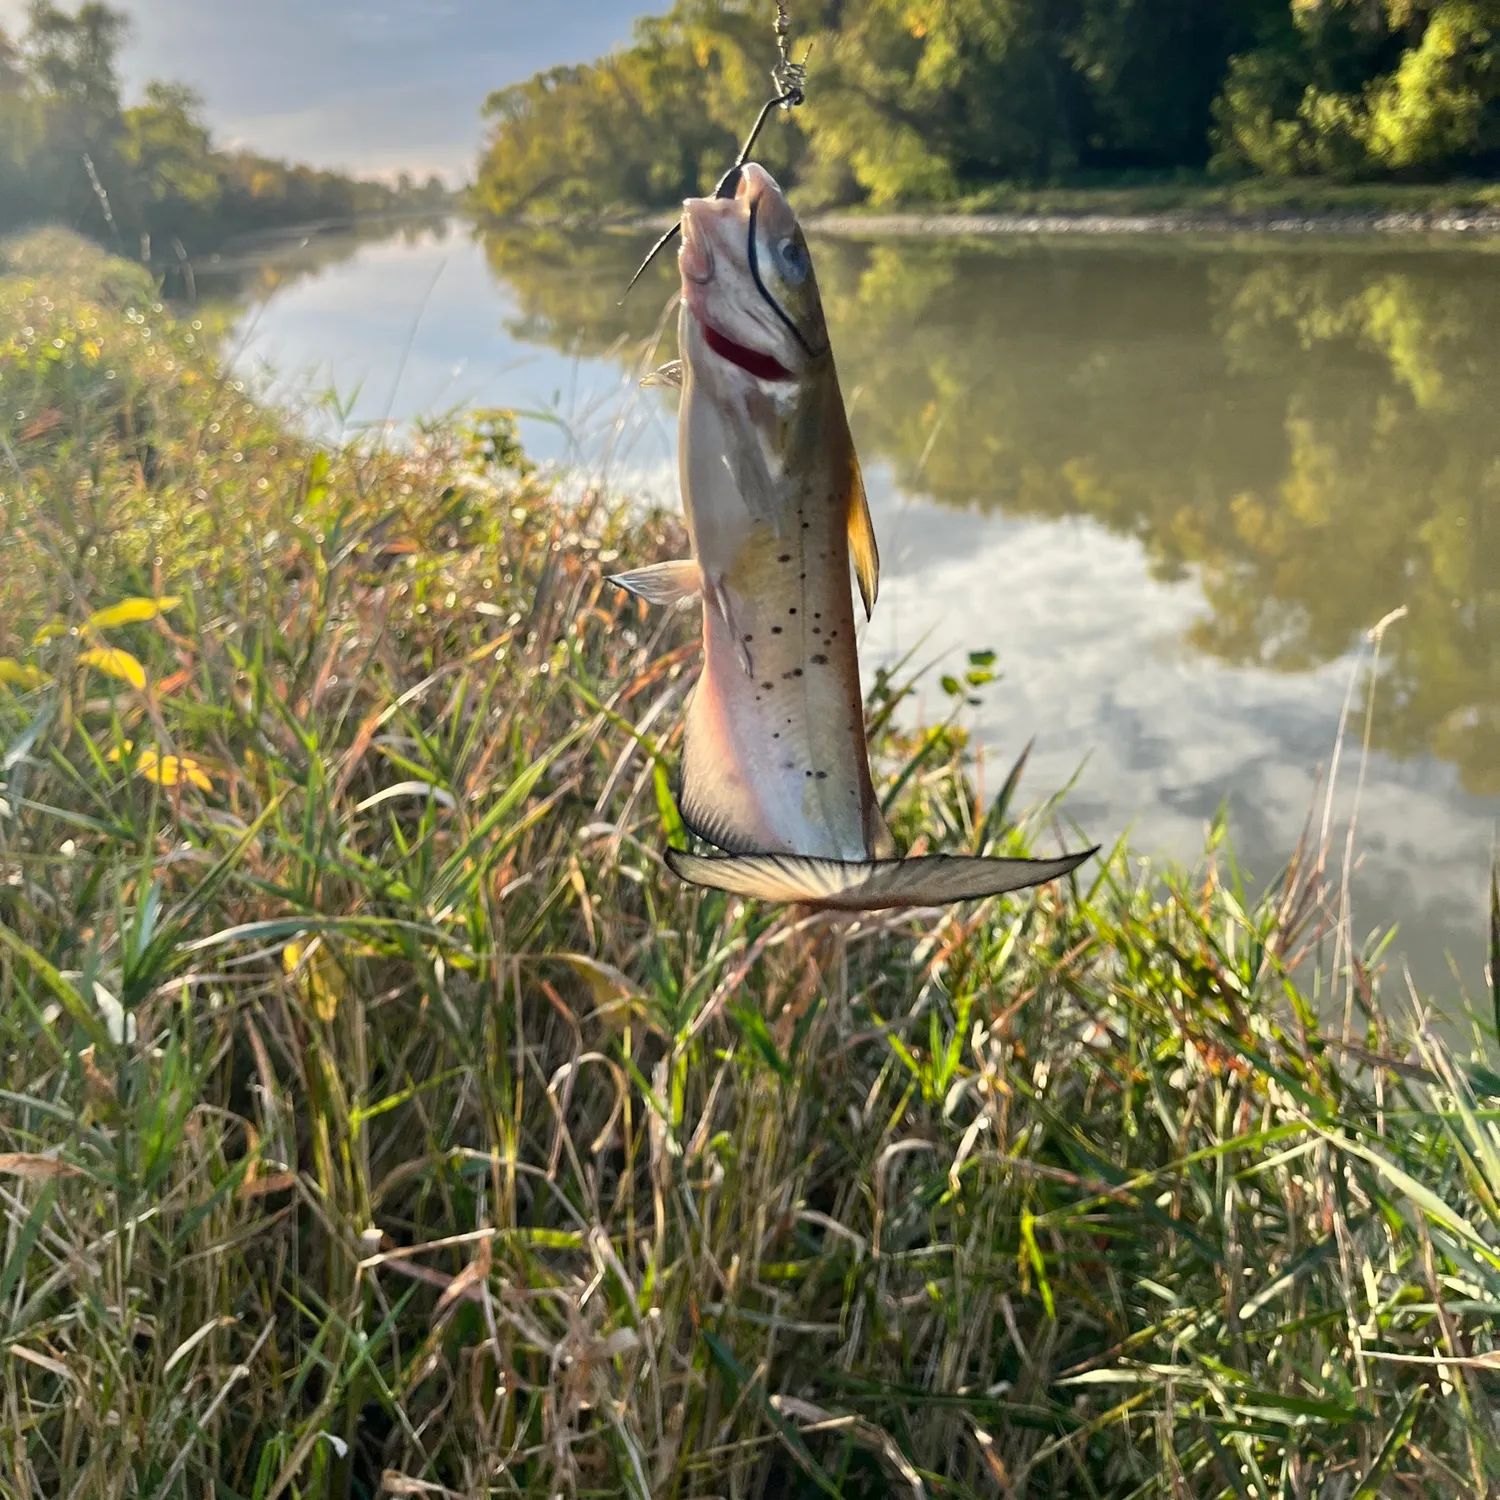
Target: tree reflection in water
column 1311, row 431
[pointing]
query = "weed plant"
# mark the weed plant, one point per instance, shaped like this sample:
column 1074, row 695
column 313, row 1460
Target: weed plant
column 378, row 1116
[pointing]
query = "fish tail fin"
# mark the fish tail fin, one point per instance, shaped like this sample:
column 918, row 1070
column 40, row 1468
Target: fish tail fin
column 874, row 885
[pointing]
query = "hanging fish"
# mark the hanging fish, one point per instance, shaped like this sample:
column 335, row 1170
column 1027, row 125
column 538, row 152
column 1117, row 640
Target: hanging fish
column 775, row 766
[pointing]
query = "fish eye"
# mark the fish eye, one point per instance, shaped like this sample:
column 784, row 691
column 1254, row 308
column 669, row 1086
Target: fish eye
column 793, row 261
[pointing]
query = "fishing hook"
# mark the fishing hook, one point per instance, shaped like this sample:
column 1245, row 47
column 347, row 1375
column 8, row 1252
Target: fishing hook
column 790, row 80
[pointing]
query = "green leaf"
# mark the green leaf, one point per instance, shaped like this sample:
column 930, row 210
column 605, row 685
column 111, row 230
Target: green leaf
column 1369, row 1488
column 69, row 998
column 753, row 1028
column 25, row 1243
column 666, row 805
column 1423, row 1197
column 740, row 1381
column 1033, row 1253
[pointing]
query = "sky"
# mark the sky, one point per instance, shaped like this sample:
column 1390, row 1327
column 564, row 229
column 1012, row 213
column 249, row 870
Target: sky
column 368, row 86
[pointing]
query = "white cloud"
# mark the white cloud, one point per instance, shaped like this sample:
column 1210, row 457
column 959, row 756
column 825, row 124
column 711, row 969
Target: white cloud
column 365, row 87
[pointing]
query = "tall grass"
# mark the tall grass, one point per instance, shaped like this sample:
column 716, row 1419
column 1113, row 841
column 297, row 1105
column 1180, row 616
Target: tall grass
column 380, row 1117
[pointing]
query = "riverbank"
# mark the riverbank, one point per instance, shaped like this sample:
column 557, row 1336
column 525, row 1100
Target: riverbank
column 382, row 1113
column 1293, row 208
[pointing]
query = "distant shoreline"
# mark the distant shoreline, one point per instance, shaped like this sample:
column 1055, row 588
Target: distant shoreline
column 1475, row 224
column 1168, row 222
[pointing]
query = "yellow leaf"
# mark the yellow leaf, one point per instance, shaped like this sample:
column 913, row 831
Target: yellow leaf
column 21, row 675
column 114, row 663
column 320, row 979
column 131, row 612
column 50, row 632
column 173, row 770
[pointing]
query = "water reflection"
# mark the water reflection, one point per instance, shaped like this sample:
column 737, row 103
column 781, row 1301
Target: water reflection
column 1170, row 482
column 253, row 268
column 1310, row 434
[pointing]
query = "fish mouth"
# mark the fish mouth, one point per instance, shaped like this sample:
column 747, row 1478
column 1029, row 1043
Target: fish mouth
column 753, row 361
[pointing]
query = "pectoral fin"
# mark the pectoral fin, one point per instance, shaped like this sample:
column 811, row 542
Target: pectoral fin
column 667, row 374
column 663, row 582
column 726, row 613
column 862, row 546
column 934, row 880
column 752, row 478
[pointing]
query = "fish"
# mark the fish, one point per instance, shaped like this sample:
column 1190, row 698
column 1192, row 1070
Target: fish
column 775, row 771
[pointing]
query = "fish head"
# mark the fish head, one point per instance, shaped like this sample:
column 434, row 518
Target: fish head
column 748, row 282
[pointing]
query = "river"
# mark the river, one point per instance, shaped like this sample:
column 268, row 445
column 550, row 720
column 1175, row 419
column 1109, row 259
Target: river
column 1172, row 483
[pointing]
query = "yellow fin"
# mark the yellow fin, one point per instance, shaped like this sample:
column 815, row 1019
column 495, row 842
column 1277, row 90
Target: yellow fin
column 862, row 546
column 932, row 880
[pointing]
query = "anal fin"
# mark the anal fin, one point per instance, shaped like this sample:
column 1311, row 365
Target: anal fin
column 663, row 582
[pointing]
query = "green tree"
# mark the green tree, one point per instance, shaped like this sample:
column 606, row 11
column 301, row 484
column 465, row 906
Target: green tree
column 1442, row 102
column 166, row 145
column 1361, row 87
column 71, row 61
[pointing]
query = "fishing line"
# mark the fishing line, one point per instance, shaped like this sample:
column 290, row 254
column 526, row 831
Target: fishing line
column 790, row 81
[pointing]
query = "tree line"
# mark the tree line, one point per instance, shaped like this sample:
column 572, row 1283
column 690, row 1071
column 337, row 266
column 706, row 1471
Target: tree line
column 147, row 174
column 928, row 100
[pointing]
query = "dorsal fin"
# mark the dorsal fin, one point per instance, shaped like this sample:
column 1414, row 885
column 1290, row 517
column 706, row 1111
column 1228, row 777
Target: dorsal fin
column 862, row 546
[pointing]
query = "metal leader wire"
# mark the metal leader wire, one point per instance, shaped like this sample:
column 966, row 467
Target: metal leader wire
column 790, row 82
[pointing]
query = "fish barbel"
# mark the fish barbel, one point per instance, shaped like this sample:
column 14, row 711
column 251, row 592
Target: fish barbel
column 775, row 765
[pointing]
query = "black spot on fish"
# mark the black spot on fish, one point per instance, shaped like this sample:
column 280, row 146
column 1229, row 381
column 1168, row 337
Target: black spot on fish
column 775, row 733
column 822, row 775
column 768, row 686
column 792, row 611
column 785, row 557
column 789, row 765
column 748, row 639
column 817, row 614
column 776, row 630
column 806, row 524
column 809, row 773
column 819, row 660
